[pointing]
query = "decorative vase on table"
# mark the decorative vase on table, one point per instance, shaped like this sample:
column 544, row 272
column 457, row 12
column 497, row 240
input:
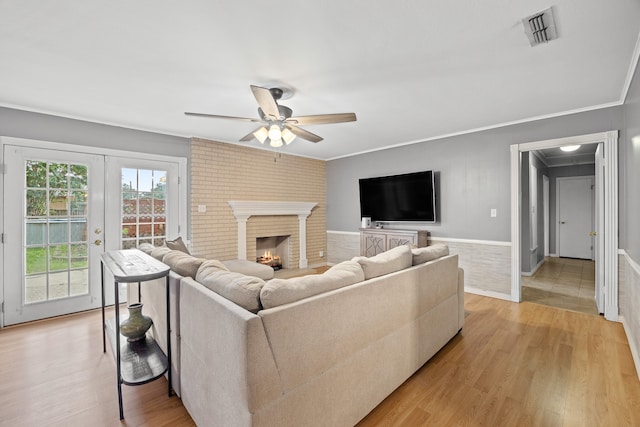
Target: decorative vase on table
column 135, row 327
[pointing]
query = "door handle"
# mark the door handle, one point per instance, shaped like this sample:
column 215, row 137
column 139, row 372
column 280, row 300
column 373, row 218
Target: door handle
column 98, row 242
column 562, row 222
column 98, row 230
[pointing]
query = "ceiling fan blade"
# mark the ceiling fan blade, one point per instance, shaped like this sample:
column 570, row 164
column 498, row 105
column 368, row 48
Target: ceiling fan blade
column 266, row 102
column 216, row 116
column 323, row 118
column 250, row 135
column 303, row 133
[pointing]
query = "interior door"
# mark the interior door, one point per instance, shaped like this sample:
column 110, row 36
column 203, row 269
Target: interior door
column 54, row 216
column 575, row 213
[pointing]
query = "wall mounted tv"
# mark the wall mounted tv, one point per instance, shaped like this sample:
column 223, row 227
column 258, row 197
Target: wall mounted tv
column 407, row 197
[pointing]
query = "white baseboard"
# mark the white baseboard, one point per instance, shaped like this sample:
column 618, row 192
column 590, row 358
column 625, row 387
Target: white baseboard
column 485, row 293
column 531, row 273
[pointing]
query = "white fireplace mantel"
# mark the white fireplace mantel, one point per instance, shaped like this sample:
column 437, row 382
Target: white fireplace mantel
column 242, row 210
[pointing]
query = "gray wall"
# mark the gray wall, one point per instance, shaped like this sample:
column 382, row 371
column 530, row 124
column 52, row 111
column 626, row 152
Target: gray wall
column 29, row 125
column 474, row 173
column 630, row 181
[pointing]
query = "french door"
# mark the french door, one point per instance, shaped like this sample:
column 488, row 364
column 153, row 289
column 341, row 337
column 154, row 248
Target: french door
column 62, row 209
column 53, row 232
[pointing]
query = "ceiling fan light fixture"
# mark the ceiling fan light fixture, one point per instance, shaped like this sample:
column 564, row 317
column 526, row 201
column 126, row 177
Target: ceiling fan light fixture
column 261, row 134
column 276, row 143
column 569, row 148
column 288, row 136
column 275, row 133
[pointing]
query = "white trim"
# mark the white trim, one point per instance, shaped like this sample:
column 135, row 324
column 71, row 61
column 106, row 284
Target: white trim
column 545, row 213
column 532, row 272
column 610, row 233
column 243, row 209
column 631, row 71
column 484, row 293
column 630, row 260
column 440, row 239
column 350, row 233
column 516, row 290
column 470, row 241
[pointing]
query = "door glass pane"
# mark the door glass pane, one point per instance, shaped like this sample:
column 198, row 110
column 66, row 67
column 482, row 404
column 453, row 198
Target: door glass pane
column 55, row 253
column 144, row 198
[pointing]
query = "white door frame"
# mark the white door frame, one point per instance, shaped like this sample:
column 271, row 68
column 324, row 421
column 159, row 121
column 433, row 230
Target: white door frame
column 545, row 212
column 609, row 202
column 182, row 161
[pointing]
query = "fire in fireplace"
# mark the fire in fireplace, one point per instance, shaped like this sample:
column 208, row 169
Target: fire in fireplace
column 273, row 251
column 273, row 261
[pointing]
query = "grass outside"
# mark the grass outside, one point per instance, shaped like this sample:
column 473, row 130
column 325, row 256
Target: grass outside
column 36, row 258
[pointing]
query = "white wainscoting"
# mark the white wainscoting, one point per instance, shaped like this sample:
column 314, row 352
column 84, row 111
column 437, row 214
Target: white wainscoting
column 629, row 288
column 486, row 264
column 342, row 246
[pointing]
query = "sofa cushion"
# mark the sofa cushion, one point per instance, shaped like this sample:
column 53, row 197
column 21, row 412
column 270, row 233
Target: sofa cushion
column 236, row 287
column 147, row 248
column 249, row 268
column 182, row 263
column 282, row 291
column 159, row 252
column 177, row 245
column 387, row 262
column 429, row 253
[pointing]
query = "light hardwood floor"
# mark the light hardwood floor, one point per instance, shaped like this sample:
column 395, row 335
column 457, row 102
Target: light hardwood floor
column 512, row 365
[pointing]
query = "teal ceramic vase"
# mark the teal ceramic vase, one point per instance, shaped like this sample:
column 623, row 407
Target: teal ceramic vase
column 135, row 327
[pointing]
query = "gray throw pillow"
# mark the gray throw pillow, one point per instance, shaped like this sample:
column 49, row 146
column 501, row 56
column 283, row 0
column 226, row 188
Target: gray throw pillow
column 177, row 245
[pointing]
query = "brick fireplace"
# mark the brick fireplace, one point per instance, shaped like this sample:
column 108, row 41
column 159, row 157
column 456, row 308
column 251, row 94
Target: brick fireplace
column 262, row 219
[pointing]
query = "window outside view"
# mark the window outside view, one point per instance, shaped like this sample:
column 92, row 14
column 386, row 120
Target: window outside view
column 56, row 262
column 144, row 201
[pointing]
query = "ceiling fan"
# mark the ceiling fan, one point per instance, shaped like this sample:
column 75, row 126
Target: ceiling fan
column 278, row 125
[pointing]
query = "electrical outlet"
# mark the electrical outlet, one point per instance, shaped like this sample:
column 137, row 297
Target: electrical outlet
column 321, row 254
column 494, row 213
column 202, row 208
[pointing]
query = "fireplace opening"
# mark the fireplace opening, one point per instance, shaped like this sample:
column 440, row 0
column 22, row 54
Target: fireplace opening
column 273, row 251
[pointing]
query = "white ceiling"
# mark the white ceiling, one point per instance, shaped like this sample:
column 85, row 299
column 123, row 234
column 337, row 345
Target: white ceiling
column 411, row 70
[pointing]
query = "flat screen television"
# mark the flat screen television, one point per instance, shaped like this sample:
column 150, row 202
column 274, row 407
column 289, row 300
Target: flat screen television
column 407, row 197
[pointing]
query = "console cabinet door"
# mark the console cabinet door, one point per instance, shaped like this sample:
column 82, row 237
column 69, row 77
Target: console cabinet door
column 372, row 244
column 394, row 240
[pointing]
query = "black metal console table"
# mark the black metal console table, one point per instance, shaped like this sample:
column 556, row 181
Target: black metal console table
column 141, row 361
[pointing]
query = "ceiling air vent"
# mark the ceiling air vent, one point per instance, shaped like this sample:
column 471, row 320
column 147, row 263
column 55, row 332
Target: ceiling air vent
column 540, row 28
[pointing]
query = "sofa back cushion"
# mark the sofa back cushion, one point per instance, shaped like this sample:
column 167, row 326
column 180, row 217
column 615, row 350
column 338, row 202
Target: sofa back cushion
column 182, row 263
column 282, row 291
column 395, row 259
column 159, row 252
column 429, row 253
column 147, row 248
column 236, row 287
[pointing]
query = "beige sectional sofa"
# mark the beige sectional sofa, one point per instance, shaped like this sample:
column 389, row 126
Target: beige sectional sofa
column 319, row 350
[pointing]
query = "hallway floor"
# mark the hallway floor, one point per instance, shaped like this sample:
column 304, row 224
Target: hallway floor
column 564, row 283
